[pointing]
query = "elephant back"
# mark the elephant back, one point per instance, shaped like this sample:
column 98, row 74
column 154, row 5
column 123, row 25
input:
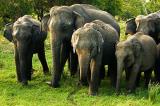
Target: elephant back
column 90, row 14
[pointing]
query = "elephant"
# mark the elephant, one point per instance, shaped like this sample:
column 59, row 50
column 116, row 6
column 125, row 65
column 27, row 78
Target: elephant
column 157, row 74
column 150, row 25
column 62, row 21
column 131, row 25
column 136, row 54
column 94, row 44
column 27, row 37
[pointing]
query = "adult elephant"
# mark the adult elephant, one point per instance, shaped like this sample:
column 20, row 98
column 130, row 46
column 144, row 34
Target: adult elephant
column 150, row 25
column 28, row 39
column 62, row 21
column 157, row 74
column 95, row 46
column 137, row 54
column 131, row 25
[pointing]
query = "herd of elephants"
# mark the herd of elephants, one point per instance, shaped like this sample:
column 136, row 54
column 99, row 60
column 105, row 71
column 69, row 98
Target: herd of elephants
column 88, row 39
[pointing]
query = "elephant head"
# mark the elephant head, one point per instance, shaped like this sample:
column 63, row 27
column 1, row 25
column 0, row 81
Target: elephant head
column 8, row 32
column 130, row 27
column 62, row 21
column 88, row 45
column 127, row 53
column 150, row 25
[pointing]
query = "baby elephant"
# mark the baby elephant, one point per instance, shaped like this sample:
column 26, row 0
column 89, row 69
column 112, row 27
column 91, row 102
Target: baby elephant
column 95, row 46
column 138, row 53
column 28, row 39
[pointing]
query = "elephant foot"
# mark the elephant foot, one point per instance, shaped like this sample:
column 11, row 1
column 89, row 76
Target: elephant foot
column 91, row 93
column 84, row 83
column 54, row 85
column 117, row 91
column 19, row 79
column 129, row 91
column 24, row 83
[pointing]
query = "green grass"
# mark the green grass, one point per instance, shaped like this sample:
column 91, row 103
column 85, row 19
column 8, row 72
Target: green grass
column 38, row 93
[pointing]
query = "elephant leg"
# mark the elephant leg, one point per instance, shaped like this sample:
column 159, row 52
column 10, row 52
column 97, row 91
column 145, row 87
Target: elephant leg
column 65, row 54
column 157, row 73
column 23, row 67
column 59, row 65
column 42, row 58
column 94, row 79
column 108, row 73
column 113, row 73
column 138, row 79
column 88, row 76
column 29, row 67
column 17, row 65
column 127, row 72
column 147, row 75
column 73, row 63
column 132, row 80
column 69, row 63
column 102, row 72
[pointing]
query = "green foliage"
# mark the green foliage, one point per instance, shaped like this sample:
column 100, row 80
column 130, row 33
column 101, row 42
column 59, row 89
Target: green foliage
column 132, row 8
column 153, row 5
column 111, row 6
column 153, row 90
column 13, row 9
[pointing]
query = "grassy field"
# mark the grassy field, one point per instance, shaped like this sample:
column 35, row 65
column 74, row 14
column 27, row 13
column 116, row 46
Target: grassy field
column 38, row 93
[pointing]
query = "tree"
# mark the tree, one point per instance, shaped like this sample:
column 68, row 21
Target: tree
column 111, row 6
column 153, row 5
column 131, row 8
column 10, row 10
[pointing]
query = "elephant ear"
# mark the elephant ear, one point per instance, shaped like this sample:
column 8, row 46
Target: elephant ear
column 8, row 32
column 99, row 45
column 158, row 28
column 158, row 23
column 37, row 34
column 137, row 47
column 44, row 23
column 78, row 20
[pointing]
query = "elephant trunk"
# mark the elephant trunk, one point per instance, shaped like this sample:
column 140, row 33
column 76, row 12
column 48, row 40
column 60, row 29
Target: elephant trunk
column 84, row 65
column 57, row 68
column 120, row 66
column 22, row 49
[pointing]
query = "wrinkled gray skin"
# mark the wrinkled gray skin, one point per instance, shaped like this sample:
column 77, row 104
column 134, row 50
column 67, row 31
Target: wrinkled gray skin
column 61, row 22
column 95, row 46
column 138, row 53
column 28, row 39
column 157, row 72
column 150, row 25
column 131, row 25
